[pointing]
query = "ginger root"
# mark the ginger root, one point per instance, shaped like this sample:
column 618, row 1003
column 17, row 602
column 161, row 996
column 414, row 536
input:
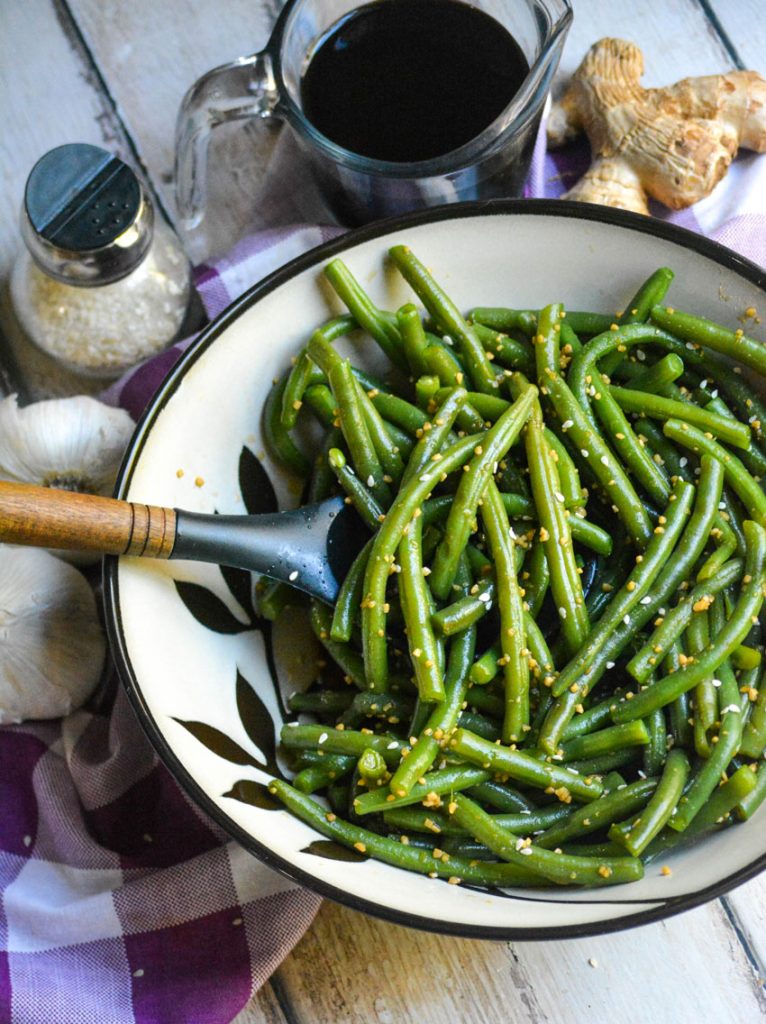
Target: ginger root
column 672, row 144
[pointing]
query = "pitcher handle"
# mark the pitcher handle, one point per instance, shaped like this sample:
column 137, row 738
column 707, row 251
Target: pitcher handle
column 243, row 89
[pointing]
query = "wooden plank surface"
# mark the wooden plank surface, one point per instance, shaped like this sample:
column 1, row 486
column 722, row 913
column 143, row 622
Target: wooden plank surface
column 352, row 969
column 124, row 68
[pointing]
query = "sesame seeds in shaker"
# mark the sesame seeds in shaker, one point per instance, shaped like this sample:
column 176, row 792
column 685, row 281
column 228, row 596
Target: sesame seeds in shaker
column 102, row 283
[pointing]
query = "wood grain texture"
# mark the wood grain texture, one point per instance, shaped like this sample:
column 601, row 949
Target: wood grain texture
column 152, row 53
column 352, row 969
column 263, row 1008
column 39, row 65
column 48, row 517
column 676, row 38
column 744, row 26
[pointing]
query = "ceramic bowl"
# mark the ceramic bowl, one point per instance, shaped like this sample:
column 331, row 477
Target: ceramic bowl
column 209, row 679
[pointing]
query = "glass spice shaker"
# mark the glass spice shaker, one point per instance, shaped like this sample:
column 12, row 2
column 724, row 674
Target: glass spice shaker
column 102, row 283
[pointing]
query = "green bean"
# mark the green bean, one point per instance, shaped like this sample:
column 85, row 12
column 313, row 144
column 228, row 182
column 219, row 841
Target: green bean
column 321, row 701
column 599, row 814
column 343, row 654
column 569, row 478
column 537, row 577
column 419, row 819
column 512, row 626
column 385, row 544
column 489, row 407
column 754, row 734
column 303, row 370
column 746, row 658
column 350, row 597
column 386, row 448
column 547, row 341
column 522, row 767
column 395, row 853
column 604, row 466
column 493, row 445
column 676, row 571
column 734, row 632
column 392, row 707
column 435, row 432
column 639, row 462
column 561, row 868
column 502, row 797
column 295, row 386
column 749, row 802
column 441, row 307
column 708, row 776
column 656, row 378
column 717, row 559
column 697, row 331
column 676, row 462
column 651, row 292
column 398, row 411
column 730, row 431
column 426, row 389
column 336, row 741
column 603, row 764
column 413, row 337
column 556, row 536
column 355, row 431
column 635, row 588
column 370, row 512
column 705, row 699
column 317, row 776
column 277, row 440
column 364, row 311
column 508, row 352
column 583, row 373
column 319, row 399
column 443, row 781
column 596, row 716
column 414, row 597
column 371, row 766
column 748, row 489
column 502, row 319
column 656, row 750
column 660, row 809
column 643, row 663
column 605, row 741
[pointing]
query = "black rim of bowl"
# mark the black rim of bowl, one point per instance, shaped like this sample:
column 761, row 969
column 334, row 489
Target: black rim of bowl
column 656, row 908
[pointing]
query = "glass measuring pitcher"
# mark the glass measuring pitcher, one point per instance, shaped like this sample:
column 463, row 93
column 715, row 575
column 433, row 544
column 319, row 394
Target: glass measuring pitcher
column 359, row 189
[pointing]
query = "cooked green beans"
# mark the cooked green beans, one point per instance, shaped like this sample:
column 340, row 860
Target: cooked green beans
column 604, row 528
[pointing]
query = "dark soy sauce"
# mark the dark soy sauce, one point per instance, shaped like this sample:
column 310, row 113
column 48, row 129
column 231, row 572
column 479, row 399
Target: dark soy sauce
column 407, row 80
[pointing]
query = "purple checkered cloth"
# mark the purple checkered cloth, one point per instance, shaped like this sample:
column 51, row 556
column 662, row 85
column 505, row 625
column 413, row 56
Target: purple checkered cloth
column 119, row 901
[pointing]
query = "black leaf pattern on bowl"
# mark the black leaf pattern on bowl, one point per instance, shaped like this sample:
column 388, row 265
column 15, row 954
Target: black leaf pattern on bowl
column 258, row 723
column 254, row 793
column 257, row 490
column 331, row 850
column 219, row 743
column 209, row 610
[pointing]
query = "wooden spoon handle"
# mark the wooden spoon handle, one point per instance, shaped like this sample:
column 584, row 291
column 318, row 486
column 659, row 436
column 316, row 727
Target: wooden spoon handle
column 44, row 517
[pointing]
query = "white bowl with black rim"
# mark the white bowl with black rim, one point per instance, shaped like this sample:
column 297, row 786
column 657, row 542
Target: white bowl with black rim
column 209, row 680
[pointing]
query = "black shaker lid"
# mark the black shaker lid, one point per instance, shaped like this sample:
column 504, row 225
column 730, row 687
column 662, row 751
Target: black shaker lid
column 79, row 197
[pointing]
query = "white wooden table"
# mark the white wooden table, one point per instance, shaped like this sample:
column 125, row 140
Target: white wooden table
column 112, row 72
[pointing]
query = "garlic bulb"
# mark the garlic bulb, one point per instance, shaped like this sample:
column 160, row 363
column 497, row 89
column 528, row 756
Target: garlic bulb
column 52, row 646
column 72, row 443
column 75, row 444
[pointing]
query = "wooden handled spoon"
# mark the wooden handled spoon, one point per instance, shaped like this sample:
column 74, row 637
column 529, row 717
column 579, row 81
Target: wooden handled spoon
column 310, row 547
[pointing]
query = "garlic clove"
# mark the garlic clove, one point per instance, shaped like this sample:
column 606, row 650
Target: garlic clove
column 52, row 645
column 73, row 443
